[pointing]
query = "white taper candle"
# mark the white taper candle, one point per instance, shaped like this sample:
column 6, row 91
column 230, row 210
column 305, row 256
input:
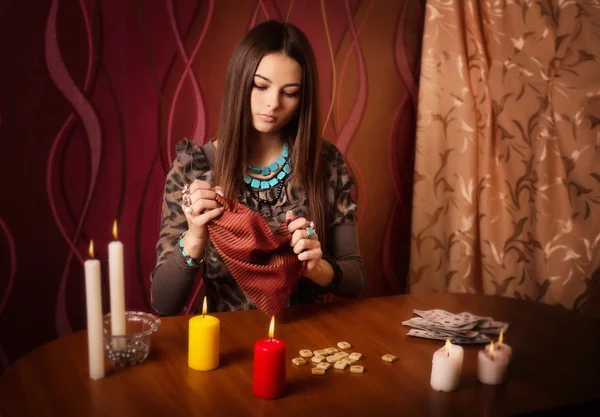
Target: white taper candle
column 117, row 288
column 93, row 303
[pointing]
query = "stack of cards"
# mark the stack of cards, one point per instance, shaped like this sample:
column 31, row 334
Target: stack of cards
column 460, row 328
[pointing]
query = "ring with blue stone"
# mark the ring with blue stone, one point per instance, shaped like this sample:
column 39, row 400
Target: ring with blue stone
column 310, row 231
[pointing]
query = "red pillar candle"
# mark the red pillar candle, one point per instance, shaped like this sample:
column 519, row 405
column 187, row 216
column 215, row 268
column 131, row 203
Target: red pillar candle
column 269, row 366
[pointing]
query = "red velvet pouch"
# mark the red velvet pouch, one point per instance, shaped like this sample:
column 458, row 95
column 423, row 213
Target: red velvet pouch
column 261, row 261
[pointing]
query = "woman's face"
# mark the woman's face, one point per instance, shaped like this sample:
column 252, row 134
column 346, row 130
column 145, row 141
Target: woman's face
column 276, row 92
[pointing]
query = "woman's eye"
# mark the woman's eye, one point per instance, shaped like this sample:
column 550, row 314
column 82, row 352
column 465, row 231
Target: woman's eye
column 260, row 87
column 290, row 94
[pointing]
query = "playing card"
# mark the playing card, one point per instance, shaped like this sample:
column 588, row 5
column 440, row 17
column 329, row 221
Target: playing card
column 425, row 334
column 480, row 338
column 438, row 329
column 469, row 335
column 436, row 315
column 459, row 328
column 422, row 324
column 464, row 320
column 493, row 327
column 447, row 319
column 462, row 328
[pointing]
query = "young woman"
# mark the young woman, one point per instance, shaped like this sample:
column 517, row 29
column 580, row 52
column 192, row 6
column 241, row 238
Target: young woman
column 268, row 156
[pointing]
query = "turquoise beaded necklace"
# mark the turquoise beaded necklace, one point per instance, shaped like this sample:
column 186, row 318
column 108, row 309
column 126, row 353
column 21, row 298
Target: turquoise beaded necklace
column 274, row 166
column 282, row 164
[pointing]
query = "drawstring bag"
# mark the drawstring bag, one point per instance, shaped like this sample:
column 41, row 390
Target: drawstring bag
column 261, row 261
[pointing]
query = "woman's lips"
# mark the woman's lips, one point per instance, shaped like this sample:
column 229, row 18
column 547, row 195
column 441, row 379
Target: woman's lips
column 266, row 118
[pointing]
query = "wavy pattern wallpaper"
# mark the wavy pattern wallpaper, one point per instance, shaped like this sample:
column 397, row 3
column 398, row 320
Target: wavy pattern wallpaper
column 95, row 94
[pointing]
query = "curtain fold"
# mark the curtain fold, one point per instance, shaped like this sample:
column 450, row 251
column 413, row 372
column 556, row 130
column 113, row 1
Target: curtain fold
column 507, row 169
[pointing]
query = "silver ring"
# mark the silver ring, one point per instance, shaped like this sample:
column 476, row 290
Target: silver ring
column 310, row 233
column 186, row 201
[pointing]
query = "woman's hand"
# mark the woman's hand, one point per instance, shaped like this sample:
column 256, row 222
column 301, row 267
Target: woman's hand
column 200, row 207
column 305, row 242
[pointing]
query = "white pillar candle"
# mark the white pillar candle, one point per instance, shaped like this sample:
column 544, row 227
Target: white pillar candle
column 93, row 303
column 117, row 288
column 501, row 347
column 492, row 365
column 446, row 367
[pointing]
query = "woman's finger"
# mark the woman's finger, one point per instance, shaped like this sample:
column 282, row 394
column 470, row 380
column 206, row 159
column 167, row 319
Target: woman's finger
column 219, row 191
column 305, row 244
column 299, row 223
column 296, row 236
column 300, row 235
column 202, row 194
column 201, row 205
column 198, row 185
column 311, row 255
column 209, row 215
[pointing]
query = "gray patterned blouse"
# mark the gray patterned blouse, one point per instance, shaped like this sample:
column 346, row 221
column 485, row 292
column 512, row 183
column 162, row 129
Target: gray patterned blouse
column 172, row 279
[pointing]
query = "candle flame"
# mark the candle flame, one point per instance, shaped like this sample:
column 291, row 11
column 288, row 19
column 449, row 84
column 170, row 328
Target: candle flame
column 492, row 349
column 204, row 307
column 115, row 235
column 447, row 346
column 272, row 327
column 501, row 337
column 91, row 249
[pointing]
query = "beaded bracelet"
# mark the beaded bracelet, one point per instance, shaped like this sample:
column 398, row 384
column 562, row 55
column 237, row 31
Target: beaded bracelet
column 337, row 275
column 192, row 262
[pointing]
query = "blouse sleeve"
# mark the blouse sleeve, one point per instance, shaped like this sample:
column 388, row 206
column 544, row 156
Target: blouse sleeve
column 172, row 279
column 344, row 237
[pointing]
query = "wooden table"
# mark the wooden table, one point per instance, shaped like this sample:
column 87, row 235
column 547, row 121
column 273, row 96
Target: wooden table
column 556, row 366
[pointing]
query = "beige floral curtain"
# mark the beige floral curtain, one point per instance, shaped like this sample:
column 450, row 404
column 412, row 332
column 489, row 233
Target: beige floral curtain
column 507, row 170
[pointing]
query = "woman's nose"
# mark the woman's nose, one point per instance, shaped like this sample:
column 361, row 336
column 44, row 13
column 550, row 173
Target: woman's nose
column 272, row 101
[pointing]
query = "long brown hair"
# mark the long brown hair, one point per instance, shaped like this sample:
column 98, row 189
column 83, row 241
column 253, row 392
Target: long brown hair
column 302, row 131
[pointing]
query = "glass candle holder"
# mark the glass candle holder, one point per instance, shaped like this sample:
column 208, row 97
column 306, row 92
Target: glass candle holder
column 133, row 347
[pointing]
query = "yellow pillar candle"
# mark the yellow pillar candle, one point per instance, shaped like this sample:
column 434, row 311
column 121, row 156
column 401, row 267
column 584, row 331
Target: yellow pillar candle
column 203, row 347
